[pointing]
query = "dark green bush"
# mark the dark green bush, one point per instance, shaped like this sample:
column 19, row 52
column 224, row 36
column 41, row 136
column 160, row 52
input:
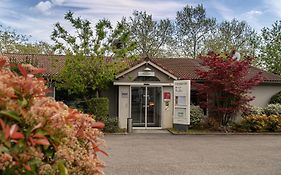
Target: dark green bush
column 275, row 98
column 111, row 125
column 196, row 116
column 99, row 107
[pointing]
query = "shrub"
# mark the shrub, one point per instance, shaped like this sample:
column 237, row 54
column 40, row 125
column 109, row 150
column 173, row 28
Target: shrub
column 261, row 123
column 111, row 125
column 41, row 136
column 99, row 107
column 272, row 109
column 275, row 98
column 254, row 122
column 273, row 123
column 196, row 116
column 255, row 110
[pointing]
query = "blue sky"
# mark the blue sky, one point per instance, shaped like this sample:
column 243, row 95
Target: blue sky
column 37, row 17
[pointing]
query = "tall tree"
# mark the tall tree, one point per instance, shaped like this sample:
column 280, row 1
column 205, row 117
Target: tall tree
column 86, row 70
column 40, row 47
column 10, row 39
column 103, row 41
column 270, row 53
column 234, row 34
column 13, row 42
column 193, row 28
column 150, row 36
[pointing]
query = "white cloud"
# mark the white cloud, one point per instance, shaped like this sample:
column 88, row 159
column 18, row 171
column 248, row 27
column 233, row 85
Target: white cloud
column 58, row 2
column 253, row 19
column 44, row 6
column 116, row 9
column 253, row 13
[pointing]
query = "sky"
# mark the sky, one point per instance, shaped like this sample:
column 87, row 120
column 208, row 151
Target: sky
column 37, row 17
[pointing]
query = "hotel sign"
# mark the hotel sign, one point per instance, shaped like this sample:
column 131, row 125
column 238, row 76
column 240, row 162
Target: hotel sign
column 146, row 74
column 181, row 102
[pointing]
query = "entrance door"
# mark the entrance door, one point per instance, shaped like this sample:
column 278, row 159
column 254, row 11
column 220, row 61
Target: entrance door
column 146, row 106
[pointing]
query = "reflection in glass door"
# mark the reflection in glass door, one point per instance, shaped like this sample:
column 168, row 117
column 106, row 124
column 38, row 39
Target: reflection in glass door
column 146, row 106
column 138, row 106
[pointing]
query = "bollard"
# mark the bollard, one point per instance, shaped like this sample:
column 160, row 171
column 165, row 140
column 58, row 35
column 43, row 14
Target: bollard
column 129, row 125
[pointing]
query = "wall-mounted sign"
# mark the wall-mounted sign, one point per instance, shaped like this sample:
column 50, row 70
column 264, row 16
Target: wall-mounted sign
column 167, row 96
column 181, row 102
column 146, row 74
column 124, row 94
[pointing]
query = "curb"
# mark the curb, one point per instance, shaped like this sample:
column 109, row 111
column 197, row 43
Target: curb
column 122, row 133
column 218, row 133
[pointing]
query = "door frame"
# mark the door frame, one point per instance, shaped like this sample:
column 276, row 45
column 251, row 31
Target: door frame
column 145, row 115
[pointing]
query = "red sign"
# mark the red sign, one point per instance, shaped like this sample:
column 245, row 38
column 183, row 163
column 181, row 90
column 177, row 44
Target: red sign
column 167, row 96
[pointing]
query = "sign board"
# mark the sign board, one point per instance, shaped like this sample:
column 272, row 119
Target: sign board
column 146, row 74
column 181, row 102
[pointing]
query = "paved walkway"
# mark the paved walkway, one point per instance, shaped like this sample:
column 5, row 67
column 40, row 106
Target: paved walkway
column 166, row 154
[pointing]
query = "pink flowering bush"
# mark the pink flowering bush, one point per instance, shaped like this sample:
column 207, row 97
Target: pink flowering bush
column 41, row 136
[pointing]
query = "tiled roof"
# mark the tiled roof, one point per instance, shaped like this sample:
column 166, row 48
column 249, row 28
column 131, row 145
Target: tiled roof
column 182, row 68
column 52, row 63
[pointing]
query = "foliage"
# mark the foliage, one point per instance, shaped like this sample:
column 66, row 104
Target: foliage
column 270, row 49
column 275, row 98
column 99, row 107
column 196, row 116
column 87, row 70
column 234, row 34
column 9, row 40
column 103, row 41
column 41, row 136
column 84, row 76
column 193, row 28
column 254, row 110
column 261, row 123
column 111, row 125
column 226, row 85
column 40, row 47
column 12, row 42
column 150, row 36
column 272, row 109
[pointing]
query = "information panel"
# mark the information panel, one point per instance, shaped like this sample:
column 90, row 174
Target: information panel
column 181, row 102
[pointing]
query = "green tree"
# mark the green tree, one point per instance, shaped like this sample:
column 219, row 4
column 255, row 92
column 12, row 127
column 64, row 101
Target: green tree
column 40, row 47
column 104, row 41
column 270, row 53
column 234, row 34
column 192, row 30
column 10, row 39
column 93, row 57
column 12, row 42
column 150, row 36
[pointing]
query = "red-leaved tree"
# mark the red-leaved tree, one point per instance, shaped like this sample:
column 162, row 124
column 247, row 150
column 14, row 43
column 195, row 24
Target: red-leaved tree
column 226, row 86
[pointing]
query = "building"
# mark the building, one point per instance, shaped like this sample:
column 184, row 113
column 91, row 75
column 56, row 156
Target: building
column 145, row 91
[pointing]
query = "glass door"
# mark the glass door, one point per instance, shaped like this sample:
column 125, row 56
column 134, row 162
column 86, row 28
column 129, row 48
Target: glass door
column 146, row 106
column 153, row 106
column 138, row 106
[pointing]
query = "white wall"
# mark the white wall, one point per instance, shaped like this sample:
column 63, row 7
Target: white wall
column 124, row 105
column 263, row 93
column 167, row 112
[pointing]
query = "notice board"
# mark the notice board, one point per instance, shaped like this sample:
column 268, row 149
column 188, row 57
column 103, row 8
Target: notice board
column 181, row 102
